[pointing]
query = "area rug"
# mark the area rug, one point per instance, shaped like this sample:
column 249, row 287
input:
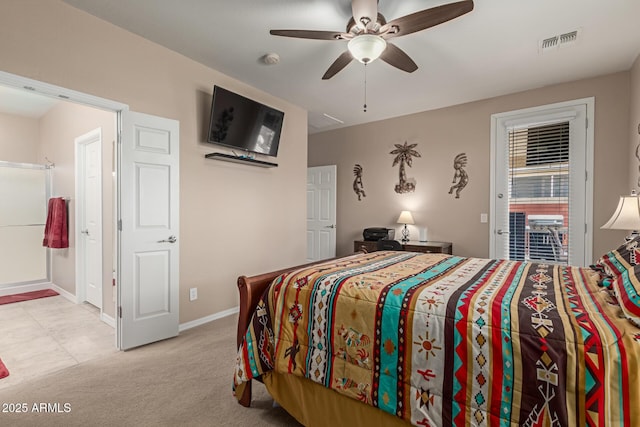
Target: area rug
column 4, row 372
column 8, row 299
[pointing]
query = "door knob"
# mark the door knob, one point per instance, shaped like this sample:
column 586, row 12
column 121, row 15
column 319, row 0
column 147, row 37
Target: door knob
column 502, row 232
column 85, row 232
column 171, row 239
column 330, row 226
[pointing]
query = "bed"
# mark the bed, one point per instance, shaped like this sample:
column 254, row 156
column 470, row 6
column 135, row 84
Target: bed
column 402, row 338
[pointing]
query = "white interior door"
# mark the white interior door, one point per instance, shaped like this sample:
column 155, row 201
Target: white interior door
column 89, row 217
column 321, row 212
column 148, row 273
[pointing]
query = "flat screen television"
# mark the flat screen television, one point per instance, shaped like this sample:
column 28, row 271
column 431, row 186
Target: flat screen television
column 245, row 124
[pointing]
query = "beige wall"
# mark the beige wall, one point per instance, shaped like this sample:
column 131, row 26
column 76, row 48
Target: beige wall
column 234, row 219
column 58, row 130
column 634, row 128
column 441, row 135
column 19, row 138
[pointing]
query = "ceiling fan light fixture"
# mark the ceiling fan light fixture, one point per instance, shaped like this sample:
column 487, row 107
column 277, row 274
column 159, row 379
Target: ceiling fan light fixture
column 271, row 58
column 367, row 47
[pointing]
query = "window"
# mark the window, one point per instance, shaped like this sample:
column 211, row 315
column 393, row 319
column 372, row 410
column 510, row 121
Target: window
column 539, row 192
column 546, row 144
column 540, row 186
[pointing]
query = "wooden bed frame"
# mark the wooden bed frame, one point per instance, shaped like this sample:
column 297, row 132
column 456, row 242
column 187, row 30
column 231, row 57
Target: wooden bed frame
column 251, row 290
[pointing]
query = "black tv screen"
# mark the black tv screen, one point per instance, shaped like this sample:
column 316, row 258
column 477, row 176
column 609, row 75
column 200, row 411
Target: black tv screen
column 242, row 123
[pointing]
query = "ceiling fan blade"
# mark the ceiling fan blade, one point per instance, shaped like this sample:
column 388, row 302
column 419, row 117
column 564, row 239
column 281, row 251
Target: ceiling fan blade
column 426, row 18
column 309, row 34
column 342, row 61
column 364, row 9
column 395, row 56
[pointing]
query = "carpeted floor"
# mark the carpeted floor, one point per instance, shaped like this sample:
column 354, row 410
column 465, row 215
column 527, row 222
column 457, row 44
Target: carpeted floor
column 184, row 381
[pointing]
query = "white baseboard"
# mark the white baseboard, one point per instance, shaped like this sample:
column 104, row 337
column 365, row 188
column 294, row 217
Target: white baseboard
column 207, row 319
column 19, row 289
column 108, row 320
column 68, row 295
column 183, row 326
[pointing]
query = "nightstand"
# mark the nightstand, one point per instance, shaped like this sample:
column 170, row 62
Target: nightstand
column 412, row 246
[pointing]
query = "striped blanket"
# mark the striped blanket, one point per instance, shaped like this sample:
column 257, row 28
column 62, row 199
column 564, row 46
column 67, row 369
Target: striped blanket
column 443, row 340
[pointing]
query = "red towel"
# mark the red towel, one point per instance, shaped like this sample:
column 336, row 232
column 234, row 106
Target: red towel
column 55, row 231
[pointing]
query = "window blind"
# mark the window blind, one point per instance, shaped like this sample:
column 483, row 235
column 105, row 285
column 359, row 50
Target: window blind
column 539, row 193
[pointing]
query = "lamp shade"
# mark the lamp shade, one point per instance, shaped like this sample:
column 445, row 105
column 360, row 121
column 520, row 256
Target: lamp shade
column 367, row 47
column 405, row 218
column 627, row 214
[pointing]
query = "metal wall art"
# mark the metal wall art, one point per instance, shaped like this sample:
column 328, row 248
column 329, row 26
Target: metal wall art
column 459, row 163
column 404, row 155
column 358, row 187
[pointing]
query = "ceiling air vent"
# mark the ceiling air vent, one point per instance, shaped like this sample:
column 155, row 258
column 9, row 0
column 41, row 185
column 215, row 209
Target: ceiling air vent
column 320, row 121
column 569, row 37
column 549, row 43
column 561, row 40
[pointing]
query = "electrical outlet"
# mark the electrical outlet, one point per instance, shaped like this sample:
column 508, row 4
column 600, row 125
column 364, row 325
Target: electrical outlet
column 484, row 218
column 193, row 294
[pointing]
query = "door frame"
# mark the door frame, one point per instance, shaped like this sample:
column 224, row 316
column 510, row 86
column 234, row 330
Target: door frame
column 497, row 130
column 46, row 89
column 81, row 143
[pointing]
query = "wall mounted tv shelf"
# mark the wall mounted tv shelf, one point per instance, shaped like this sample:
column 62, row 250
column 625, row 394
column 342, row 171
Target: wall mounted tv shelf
column 240, row 159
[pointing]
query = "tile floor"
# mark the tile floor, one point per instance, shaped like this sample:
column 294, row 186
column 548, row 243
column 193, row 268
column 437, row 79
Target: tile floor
column 41, row 336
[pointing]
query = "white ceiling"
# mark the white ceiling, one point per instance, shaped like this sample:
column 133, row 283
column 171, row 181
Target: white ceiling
column 491, row 51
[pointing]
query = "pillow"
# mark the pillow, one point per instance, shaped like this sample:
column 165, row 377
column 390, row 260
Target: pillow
column 614, row 263
column 627, row 290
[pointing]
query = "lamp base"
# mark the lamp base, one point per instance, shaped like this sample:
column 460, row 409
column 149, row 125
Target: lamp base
column 634, row 234
column 405, row 234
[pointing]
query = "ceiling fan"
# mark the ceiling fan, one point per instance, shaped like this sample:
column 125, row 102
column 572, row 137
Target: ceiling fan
column 368, row 32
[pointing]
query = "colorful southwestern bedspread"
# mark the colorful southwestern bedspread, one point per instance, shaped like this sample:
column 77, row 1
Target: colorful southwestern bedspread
column 443, row 340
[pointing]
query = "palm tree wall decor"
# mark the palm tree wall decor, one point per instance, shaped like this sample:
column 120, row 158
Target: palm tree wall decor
column 404, row 155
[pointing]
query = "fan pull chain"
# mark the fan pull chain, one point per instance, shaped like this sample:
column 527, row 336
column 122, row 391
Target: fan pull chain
column 365, row 87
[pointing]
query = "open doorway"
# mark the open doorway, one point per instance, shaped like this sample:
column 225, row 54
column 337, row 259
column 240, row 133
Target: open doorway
column 48, row 132
column 145, row 197
column 60, row 331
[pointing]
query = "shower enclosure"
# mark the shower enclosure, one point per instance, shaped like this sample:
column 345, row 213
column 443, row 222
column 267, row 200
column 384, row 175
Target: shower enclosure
column 24, row 192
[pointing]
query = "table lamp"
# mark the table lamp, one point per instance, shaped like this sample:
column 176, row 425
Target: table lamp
column 626, row 216
column 405, row 218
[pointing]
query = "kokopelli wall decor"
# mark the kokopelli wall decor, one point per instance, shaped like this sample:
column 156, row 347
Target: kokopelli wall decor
column 460, row 175
column 358, row 187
